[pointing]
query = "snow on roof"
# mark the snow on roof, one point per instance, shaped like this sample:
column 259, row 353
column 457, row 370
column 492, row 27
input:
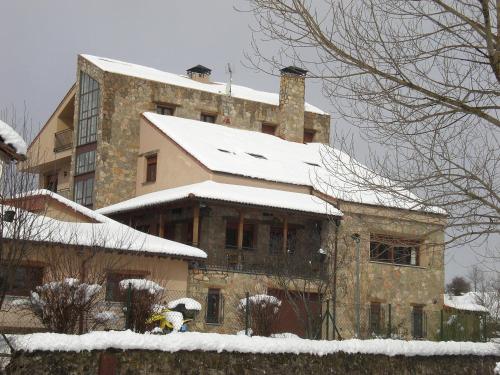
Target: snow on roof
column 107, row 233
column 139, row 71
column 127, row 340
column 228, row 193
column 263, row 156
column 467, row 302
column 11, row 138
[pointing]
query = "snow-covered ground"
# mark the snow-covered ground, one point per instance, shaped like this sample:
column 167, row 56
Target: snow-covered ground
column 243, row 344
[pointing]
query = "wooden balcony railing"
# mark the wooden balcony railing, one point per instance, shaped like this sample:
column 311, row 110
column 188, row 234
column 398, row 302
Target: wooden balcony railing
column 63, row 140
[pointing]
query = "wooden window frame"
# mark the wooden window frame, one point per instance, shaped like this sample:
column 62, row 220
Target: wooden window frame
column 214, row 317
column 151, row 168
column 84, row 179
column 392, row 245
column 34, row 280
column 162, row 108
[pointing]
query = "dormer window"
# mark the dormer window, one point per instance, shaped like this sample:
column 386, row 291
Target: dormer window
column 207, row 117
column 165, row 110
column 257, row 156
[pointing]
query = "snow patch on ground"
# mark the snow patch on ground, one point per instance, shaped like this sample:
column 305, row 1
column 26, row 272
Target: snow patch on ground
column 242, row 344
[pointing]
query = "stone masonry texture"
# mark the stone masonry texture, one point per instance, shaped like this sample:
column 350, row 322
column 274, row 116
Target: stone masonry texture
column 136, row 362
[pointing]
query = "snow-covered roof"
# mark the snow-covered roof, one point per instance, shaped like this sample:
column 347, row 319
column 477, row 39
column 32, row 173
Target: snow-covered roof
column 190, row 341
column 228, row 193
column 107, row 233
column 263, row 156
column 10, row 137
column 144, row 72
column 466, row 302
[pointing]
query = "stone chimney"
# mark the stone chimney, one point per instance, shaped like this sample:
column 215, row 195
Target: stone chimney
column 199, row 73
column 291, row 106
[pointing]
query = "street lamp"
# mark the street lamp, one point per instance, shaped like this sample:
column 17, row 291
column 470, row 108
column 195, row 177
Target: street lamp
column 357, row 239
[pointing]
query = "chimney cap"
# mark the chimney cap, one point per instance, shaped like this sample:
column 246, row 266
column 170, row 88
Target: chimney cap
column 200, row 69
column 294, row 70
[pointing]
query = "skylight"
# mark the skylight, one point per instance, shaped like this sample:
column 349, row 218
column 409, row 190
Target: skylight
column 257, row 156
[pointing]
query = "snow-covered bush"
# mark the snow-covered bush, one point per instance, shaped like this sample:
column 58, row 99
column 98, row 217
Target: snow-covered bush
column 145, row 297
column 187, row 306
column 61, row 304
column 263, row 313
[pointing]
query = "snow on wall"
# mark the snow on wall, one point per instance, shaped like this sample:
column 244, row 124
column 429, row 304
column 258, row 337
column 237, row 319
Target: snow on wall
column 229, row 193
column 263, row 156
column 12, row 138
column 237, row 343
column 144, row 72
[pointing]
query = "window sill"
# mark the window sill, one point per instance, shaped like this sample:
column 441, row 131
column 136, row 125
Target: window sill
column 213, row 324
column 148, row 183
column 397, row 264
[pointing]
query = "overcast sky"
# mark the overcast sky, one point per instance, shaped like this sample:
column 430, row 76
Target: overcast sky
column 40, row 41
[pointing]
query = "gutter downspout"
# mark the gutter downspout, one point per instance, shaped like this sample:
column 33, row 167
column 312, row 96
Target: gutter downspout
column 335, row 256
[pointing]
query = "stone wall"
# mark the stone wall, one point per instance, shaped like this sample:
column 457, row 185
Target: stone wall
column 210, row 363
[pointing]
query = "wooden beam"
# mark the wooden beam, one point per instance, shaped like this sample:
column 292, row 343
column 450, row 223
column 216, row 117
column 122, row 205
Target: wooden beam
column 285, row 234
column 161, row 228
column 240, row 231
column 196, row 224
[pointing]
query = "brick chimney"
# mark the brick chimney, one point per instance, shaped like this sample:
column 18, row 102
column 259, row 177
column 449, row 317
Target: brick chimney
column 199, row 73
column 291, row 105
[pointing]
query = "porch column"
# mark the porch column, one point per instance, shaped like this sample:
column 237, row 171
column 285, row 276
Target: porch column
column 161, row 226
column 240, row 231
column 196, row 224
column 285, row 233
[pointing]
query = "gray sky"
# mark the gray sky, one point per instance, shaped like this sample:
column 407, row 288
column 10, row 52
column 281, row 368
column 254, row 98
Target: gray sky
column 40, row 40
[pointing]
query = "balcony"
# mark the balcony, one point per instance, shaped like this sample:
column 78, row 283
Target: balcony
column 63, row 140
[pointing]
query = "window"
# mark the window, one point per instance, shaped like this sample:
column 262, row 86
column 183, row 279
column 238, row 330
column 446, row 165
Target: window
column 89, row 109
column 269, row 129
column 375, row 316
column 151, row 163
column 214, row 307
column 394, row 250
column 276, row 240
column 418, row 322
column 308, row 135
column 85, row 162
column 291, row 240
column 232, row 234
column 113, row 292
column 51, row 182
column 207, row 118
column 84, row 190
column 249, row 232
column 165, row 110
column 22, row 281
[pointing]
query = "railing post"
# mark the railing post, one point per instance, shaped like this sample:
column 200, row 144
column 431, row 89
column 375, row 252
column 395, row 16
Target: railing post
column 441, row 326
column 129, row 306
column 247, row 312
column 389, row 323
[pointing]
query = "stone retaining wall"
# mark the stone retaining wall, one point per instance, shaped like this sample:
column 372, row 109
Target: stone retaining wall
column 142, row 362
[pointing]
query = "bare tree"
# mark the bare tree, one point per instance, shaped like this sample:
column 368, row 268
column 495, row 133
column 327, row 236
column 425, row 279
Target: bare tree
column 263, row 313
column 420, row 80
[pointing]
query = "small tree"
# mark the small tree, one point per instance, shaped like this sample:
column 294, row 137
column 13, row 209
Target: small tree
column 143, row 298
column 458, row 286
column 263, row 313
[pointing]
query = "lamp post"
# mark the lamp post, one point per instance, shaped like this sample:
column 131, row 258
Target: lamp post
column 356, row 238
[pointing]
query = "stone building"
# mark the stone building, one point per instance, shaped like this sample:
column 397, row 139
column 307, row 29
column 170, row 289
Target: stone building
column 240, row 173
